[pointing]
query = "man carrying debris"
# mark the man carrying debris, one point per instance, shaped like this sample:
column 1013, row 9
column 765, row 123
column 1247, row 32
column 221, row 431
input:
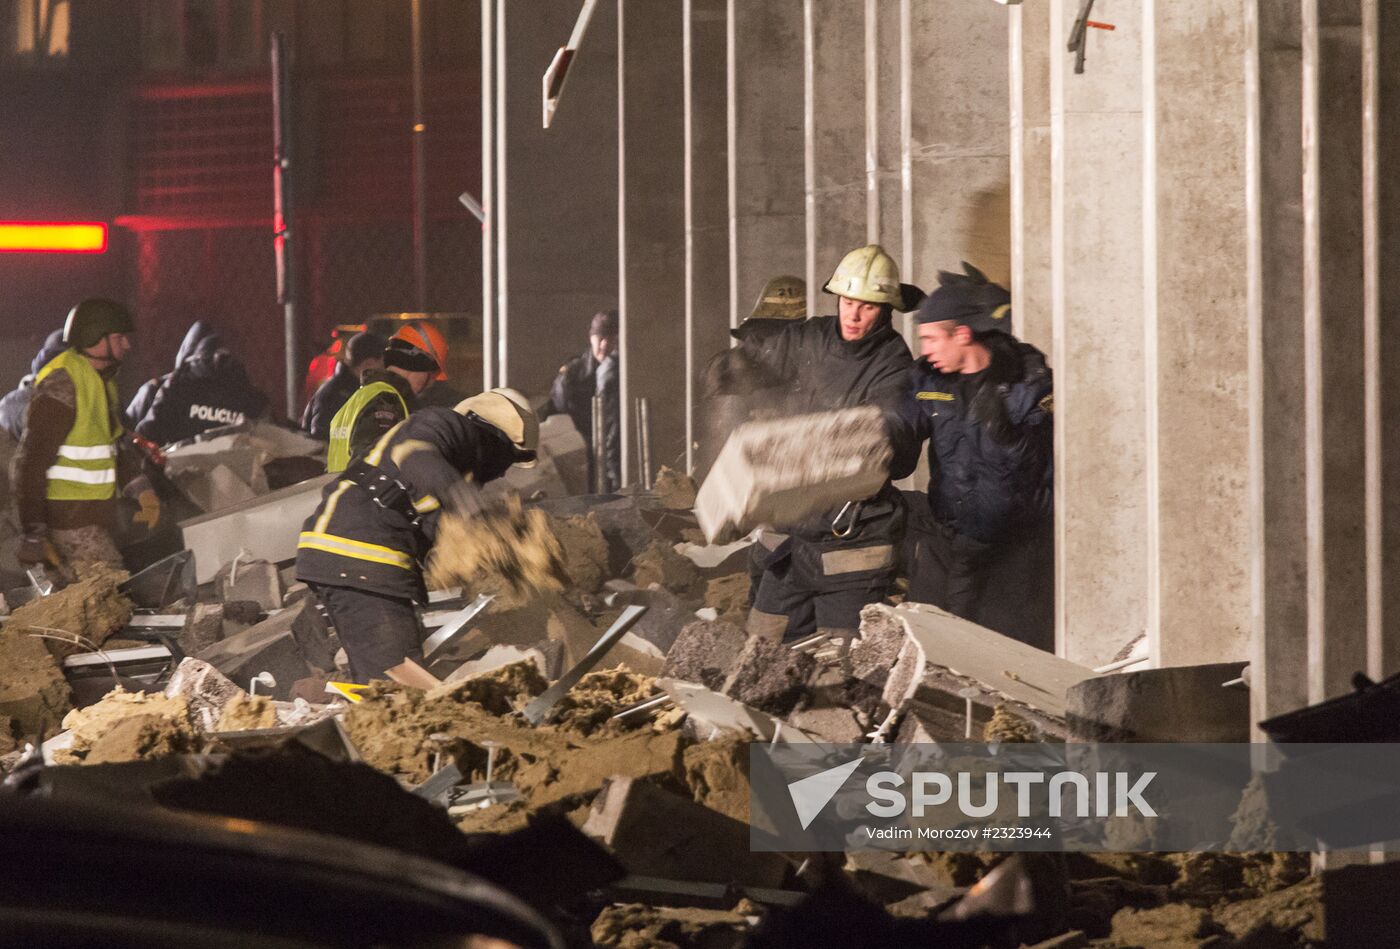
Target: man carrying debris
column 594, row 373
column 385, row 399
column 980, row 545
column 363, row 352
column 209, row 389
column 820, row 574
column 363, row 549
column 67, row 469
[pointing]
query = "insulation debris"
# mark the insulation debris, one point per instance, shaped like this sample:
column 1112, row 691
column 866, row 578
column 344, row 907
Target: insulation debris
column 33, row 691
column 674, row 489
column 584, row 549
column 507, row 549
column 81, row 616
column 163, row 727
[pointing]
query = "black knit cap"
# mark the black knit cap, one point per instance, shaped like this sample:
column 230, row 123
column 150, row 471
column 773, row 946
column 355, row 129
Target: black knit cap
column 604, row 323
column 364, row 346
column 968, row 299
column 401, row 354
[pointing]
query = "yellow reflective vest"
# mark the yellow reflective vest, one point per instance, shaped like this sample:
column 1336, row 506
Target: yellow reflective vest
column 343, row 425
column 86, row 466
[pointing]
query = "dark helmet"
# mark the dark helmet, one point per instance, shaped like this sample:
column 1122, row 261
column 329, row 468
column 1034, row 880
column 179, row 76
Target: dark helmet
column 94, row 318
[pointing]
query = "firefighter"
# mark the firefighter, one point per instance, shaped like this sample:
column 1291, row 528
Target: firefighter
column 363, row 549
column 594, row 373
column 67, row 467
column 818, row 574
column 363, row 351
column 209, row 389
column 385, row 399
column 980, row 544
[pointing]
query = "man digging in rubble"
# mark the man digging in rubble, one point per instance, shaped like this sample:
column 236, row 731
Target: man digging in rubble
column 363, row 549
column 980, row 545
column 818, row 575
column 385, row 398
column 67, row 464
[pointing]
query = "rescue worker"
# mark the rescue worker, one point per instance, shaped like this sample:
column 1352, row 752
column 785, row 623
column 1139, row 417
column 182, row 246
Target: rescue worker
column 982, row 399
column 16, row 402
column 67, row 467
column 140, row 403
column 210, row 389
column 819, row 573
column 363, row 549
column 362, row 352
column 594, row 372
column 385, row 399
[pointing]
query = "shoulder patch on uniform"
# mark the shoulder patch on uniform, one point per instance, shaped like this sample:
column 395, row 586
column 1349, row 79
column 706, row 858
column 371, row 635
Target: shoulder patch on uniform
column 1047, row 404
column 934, row 396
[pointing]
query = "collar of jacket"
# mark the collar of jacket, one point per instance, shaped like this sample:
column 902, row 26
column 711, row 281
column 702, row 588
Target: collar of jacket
column 399, row 383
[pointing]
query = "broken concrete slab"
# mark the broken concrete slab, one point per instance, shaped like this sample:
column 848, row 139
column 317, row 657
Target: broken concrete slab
column 204, row 689
column 33, row 691
column 585, row 549
column 497, row 657
column 769, row 676
column 271, row 646
column 705, row 653
column 1179, row 703
column 1020, row 674
column 664, row 619
column 620, row 519
column 775, row 473
column 204, row 626
column 266, row 528
column 254, row 580
column 659, row 565
column 711, row 711
column 674, row 489
column 657, row 833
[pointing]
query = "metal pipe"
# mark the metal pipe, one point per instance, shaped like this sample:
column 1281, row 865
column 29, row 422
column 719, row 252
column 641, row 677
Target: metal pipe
column 644, row 439
column 282, row 215
column 488, row 198
column 500, row 214
column 599, row 446
column 637, row 441
column 420, row 132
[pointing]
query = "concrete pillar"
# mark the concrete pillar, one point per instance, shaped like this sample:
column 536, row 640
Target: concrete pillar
column 707, row 190
column 1030, row 53
column 1196, row 333
column 1334, row 342
column 556, row 211
column 767, row 226
column 959, row 139
column 1278, row 522
column 651, row 227
column 1096, row 240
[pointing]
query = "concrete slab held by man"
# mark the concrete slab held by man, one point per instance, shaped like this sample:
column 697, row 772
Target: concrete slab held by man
column 363, row 549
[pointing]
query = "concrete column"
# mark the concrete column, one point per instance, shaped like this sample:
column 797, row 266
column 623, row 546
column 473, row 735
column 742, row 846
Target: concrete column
column 960, row 141
column 1196, row 333
column 1278, row 522
column 836, row 218
column 1030, row 54
column 1334, row 344
column 651, row 226
column 1096, row 240
column 1381, row 48
column 767, row 226
column 707, row 189
column 556, row 204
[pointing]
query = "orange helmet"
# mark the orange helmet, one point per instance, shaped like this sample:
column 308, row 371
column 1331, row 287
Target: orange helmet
column 425, row 336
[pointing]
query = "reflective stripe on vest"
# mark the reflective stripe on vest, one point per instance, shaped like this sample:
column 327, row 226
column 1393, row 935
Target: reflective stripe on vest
column 86, row 466
column 354, row 549
column 343, row 425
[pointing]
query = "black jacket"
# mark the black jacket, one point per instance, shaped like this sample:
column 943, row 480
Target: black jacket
column 15, row 404
column 817, row 371
column 211, row 389
column 333, row 393
column 140, row 404
column 990, row 438
column 352, row 541
column 572, row 393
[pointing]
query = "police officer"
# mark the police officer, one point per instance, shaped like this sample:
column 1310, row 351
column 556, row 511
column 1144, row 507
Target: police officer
column 210, row 389
column 819, row 574
column 67, row 466
column 386, row 398
column 980, row 544
column 363, row 549
column 364, row 351
column 594, row 373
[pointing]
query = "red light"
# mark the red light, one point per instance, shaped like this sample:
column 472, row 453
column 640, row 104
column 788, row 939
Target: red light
column 52, row 238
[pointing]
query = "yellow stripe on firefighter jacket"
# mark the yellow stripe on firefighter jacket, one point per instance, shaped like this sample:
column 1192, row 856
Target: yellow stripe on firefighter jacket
column 343, row 425
column 86, row 466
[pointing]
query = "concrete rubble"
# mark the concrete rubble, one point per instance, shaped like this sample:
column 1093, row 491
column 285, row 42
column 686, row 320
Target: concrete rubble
column 647, row 755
